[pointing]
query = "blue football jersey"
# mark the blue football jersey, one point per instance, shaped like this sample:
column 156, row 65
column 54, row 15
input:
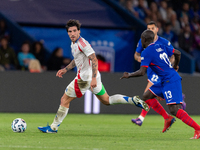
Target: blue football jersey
column 156, row 57
column 160, row 40
column 152, row 77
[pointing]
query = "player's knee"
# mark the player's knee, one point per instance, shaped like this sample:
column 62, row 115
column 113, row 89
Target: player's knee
column 145, row 97
column 64, row 101
column 104, row 99
column 148, row 95
column 105, row 103
column 173, row 110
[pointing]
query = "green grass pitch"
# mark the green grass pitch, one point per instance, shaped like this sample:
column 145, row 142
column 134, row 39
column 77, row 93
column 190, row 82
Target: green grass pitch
column 96, row 132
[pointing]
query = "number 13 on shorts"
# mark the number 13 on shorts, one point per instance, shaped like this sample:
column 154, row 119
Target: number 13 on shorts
column 168, row 94
column 173, row 92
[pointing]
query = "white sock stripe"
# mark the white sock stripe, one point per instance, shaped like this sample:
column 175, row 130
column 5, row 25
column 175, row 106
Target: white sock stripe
column 141, row 118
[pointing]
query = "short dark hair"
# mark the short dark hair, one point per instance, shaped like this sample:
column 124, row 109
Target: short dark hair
column 72, row 23
column 148, row 35
column 152, row 23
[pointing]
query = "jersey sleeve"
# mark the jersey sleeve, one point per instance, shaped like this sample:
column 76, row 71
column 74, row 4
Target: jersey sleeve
column 170, row 50
column 166, row 42
column 85, row 47
column 139, row 48
column 145, row 58
column 169, row 44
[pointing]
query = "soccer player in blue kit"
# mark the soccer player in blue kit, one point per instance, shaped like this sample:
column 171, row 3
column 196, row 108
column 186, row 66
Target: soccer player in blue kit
column 156, row 57
column 153, row 79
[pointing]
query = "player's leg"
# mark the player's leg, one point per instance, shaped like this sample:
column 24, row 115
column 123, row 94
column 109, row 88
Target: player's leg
column 173, row 97
column 102, row 95
column 60, row 115
column 153, row 103
column 122, row 99
column 156, row 106
column 184, row 116
column 72, row 91
column 155, row 91
column 168, row 119
column 62, row 111
column 138, row 121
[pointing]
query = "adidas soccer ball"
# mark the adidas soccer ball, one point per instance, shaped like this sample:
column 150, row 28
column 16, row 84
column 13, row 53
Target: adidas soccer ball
column 18, row 125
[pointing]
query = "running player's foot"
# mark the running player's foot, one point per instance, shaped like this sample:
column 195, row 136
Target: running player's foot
column 137, row 121
column 196, row 134
column 183, row 105
column 47, row 129
column 168, row 123
column 140, row 103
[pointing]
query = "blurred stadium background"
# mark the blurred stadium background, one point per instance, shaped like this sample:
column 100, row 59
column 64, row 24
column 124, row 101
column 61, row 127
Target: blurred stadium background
column 112, row 30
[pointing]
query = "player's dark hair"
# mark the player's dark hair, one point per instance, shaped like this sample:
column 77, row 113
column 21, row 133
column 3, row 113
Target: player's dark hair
column 148, row 35
column 152, row 23
column 72, row 23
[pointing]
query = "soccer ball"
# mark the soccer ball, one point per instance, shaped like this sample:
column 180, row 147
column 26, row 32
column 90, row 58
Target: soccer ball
column 18, row 125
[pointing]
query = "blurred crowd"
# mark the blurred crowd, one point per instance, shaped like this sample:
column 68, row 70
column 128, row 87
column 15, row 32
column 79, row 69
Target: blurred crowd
column 178, row 21
column 33, row 57
column 30, row 56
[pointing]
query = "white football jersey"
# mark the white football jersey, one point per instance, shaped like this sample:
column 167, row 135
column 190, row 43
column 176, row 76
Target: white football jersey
column 81, row 49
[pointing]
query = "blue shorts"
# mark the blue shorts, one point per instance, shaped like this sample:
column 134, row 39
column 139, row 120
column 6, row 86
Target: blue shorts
column 171, row 92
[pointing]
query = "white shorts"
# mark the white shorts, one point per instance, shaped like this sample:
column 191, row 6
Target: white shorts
column 78, row 87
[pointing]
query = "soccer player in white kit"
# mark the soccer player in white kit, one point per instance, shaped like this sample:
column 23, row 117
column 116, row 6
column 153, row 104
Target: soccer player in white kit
column 87, row 78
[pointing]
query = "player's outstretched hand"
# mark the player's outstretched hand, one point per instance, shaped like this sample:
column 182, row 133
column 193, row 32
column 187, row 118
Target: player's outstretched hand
column 125, row 75
column 61, row 72
column 93, row 83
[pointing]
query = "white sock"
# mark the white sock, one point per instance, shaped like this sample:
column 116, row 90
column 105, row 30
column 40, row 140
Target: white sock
column 120, row 99
column 60, row 116
column 141, row 118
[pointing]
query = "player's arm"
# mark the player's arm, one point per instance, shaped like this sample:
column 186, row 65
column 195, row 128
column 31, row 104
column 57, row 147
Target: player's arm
column 138, row 73
column 137, row 57
column 172, row 59
column 71, row 65
column 67, row 68
column 93, row 58
column 168, row 44
column 177, row 56
column 138, row 51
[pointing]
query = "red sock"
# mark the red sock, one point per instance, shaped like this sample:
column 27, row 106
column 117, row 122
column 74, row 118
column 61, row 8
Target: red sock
column 143, row 113
column 153, row 103
column 183, row 115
